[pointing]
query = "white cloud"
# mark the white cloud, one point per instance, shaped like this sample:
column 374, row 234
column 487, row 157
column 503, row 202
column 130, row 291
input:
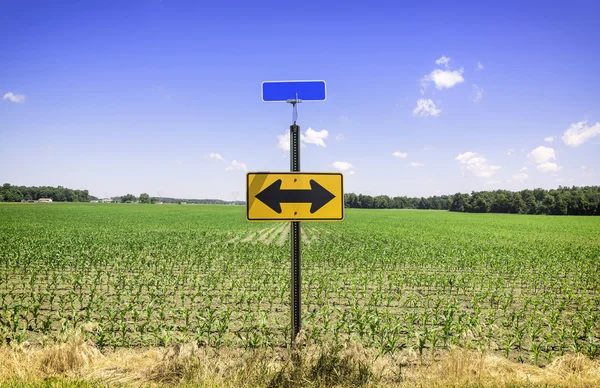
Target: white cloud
column 235, row 165
column 310, row 136
column 314, row 137
column 476, row 160
column 478, row 93
column 443, row 61
column 541, row 155
column 510, row 152
column 400, row 155
column 549, row 139
column 179, row 161
column 339, row 137
column 416, row 164
column 479, row 66
column 283, row 141
column 579, row 133
column 548, row 167
column 215, row 156
column 444, row 79
column 523, row 169
column 464, row 158
column 13, row 97
column 477, row 165
column 344, row 167
column 520, row 177
column 342, row 118
column 426, row 108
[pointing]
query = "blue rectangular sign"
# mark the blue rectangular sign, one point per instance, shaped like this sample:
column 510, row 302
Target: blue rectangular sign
column 290, row 90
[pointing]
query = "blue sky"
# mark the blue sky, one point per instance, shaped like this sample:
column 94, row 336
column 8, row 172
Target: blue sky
column 428, row 98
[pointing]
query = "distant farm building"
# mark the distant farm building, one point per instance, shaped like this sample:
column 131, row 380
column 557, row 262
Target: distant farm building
column 106, row 200
column 46, row 200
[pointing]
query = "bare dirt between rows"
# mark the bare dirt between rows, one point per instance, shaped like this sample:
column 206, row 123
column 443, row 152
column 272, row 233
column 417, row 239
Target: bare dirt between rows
column 262, row 237
column 277, row 232
column 280, row 233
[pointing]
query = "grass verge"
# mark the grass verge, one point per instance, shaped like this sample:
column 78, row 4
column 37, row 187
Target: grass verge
column 76, row 362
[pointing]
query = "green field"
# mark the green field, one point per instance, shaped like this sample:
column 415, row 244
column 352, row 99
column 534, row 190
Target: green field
column 527, row 287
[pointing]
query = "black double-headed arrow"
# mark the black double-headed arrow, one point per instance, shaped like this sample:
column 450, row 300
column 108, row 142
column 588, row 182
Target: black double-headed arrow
column 273, row 196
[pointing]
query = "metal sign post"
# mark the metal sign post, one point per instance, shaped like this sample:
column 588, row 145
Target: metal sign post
column 296, row 300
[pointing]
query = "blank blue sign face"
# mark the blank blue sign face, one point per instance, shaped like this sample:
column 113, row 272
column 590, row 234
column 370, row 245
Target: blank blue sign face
column 290, row 90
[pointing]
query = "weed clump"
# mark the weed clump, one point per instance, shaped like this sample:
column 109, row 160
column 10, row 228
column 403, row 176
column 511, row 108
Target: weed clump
column 329, row 366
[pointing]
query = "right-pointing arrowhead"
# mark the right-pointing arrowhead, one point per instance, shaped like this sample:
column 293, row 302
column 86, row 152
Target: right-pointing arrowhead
column 320, row 196
column 270, row 196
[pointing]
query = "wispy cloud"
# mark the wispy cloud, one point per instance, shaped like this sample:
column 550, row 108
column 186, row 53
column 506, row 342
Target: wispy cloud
column 215, row 156
column 401, row 155
column 426, row 107
column 444, row 60
column 13, row 97
column 579, row 133
column 339, row 137
column 237, row 166
column 416, row 164
column 478, row 93
column 479, row 67
column 549, row 139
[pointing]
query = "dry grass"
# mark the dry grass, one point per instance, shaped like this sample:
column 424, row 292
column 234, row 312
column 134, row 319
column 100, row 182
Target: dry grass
column 466, row 368
column 75, row 362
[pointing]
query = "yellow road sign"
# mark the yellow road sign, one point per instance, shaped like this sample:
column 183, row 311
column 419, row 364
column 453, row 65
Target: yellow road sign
column 294, row 196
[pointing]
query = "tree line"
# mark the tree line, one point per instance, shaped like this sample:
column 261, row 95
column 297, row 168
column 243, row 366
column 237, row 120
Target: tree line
column 562, row 201
column 10, row 193
column 145, row 198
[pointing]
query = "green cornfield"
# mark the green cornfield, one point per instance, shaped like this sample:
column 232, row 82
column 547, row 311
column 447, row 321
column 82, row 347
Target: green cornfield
column 527, row 287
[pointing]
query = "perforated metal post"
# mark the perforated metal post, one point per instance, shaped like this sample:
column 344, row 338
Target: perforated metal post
column 295, row 236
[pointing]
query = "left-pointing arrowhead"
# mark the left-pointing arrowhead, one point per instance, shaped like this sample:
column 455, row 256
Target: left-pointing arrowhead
column 320, row 196
column 270, row 196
